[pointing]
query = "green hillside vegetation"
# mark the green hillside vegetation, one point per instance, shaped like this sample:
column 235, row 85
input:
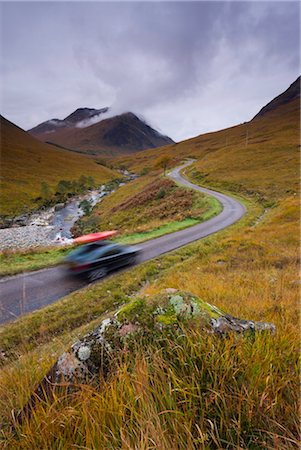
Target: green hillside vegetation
column 200, row 391
column 146, row 204
column 31, row 169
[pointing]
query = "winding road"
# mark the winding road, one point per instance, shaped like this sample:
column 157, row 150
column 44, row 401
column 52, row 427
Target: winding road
column 27, row 292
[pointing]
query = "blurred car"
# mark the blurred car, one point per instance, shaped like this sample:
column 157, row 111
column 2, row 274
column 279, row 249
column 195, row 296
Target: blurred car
column 96, row 259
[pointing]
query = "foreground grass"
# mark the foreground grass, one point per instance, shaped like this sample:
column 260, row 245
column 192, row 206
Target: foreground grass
column 182, row 394
column 197, row 392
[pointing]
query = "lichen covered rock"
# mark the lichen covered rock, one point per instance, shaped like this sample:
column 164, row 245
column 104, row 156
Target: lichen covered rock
column 146, row 319
column 142, row 321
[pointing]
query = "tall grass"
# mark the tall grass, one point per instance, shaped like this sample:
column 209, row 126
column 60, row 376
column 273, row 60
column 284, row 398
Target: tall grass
column 193, row 391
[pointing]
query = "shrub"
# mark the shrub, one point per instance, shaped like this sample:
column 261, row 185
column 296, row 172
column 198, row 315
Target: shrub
column 161, row 193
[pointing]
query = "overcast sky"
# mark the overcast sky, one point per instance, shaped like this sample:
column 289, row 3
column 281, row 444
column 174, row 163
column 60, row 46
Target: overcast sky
column 186, row 67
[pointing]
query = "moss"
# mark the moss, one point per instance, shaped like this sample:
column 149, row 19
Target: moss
column 132, row 310
column 167, row 309
column 167, row 319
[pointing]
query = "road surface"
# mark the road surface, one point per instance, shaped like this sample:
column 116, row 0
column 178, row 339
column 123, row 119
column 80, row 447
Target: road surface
column 27, row 292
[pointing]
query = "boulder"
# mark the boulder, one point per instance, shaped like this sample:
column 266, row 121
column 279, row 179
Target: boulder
column 21, row 221
column 142, row 319
column 59, row 206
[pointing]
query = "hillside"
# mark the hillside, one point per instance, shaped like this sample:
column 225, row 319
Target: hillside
column 26, row 162
column 118, row 135
column 259, row 158
column 292, row 93
column 193, row 389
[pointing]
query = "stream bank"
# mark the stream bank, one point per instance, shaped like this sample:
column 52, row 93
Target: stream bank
column 53, row 225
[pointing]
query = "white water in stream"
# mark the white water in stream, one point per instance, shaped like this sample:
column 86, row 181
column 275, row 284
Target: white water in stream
column 49, row 227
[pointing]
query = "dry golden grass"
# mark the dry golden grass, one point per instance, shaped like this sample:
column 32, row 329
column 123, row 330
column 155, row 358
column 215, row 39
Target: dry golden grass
column 202, row 392
column 199, row 392
column 26, row 162
column 259, row 158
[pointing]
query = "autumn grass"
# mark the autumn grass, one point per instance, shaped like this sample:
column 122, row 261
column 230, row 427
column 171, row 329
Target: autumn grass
column 149, row 206
column 200, row 392
column 182, row 394
column 197, row 391
column 26, row 162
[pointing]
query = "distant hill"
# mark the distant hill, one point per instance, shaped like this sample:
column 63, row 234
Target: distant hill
column 87, row 130
column 259, row 158
column 26, row 162
column 292, row 93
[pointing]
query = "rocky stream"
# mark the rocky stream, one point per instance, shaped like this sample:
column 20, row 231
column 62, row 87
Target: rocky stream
column 51, row 226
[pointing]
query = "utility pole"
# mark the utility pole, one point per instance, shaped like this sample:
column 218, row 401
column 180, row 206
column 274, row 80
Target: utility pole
column 247, row 137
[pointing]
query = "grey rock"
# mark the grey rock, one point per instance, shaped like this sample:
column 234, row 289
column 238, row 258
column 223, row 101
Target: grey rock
column 145, row 319
column 59, row 206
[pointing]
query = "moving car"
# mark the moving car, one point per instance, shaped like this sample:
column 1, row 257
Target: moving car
column 96, row 259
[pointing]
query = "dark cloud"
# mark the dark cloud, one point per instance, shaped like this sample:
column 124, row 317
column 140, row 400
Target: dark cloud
column 187, row 67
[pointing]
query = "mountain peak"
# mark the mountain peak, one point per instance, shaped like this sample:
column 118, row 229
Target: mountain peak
column 81, row 114
column 89, row 130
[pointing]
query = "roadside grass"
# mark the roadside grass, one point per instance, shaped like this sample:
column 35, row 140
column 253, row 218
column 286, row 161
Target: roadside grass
column 146, row 204
column 135, row 238
column 170, row 227
column 201, row 208
column 13, row 262
column 197, row 392
column 241, row 392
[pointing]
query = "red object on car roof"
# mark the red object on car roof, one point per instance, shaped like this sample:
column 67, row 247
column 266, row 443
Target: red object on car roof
column 94, row 237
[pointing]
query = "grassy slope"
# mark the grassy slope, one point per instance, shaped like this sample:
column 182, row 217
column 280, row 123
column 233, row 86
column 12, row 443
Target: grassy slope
column 206, row 393
column 147, row 204
column 26, row 162
column 268, row 165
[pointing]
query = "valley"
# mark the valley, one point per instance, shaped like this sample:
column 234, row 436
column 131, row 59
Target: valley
column 241, row 390
column 27, row 292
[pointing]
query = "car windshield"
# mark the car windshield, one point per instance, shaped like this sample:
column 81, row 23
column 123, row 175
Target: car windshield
column 87, row 248
column 88, row 251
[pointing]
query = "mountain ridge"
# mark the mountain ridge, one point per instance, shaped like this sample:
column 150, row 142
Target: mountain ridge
column 117, row 135
column 290, row 94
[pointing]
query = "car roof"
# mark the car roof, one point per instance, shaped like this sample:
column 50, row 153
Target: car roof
column 102, row 246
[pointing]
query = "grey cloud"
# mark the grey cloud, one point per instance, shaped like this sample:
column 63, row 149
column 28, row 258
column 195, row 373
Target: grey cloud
column 186, row 67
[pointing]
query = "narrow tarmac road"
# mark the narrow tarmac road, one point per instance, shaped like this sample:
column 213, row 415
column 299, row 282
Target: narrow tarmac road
column 27, row 292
